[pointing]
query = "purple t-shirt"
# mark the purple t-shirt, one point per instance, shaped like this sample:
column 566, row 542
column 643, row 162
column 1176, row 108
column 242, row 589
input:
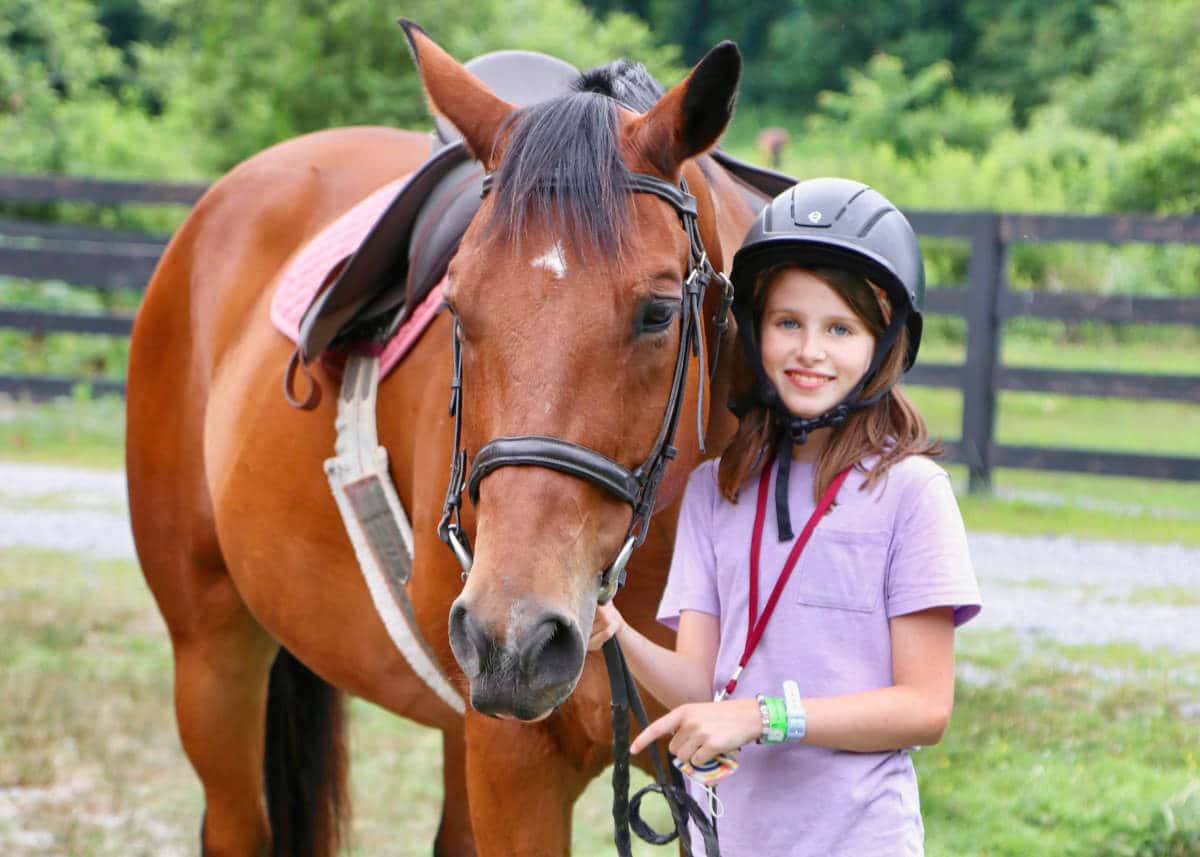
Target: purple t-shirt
column 897, row 549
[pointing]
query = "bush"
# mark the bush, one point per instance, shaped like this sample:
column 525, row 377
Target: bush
column 247, row 76
column 1161, row 169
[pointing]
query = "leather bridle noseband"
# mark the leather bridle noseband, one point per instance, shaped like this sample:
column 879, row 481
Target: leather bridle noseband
column 637, row 487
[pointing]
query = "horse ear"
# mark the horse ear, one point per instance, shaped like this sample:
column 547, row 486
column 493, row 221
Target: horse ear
column 458, row 95
column 691, row 117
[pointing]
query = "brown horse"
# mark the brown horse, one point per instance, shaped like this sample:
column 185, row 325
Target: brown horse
column 239, row 537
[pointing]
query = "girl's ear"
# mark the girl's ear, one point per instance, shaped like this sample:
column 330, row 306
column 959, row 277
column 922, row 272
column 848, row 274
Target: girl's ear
column 689, row 119
column 477, row 112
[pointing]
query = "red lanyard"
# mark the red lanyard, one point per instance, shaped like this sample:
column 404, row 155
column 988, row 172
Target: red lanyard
column 758, row 624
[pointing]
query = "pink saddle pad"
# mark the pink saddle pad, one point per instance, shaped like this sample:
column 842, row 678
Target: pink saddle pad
column 313, row 264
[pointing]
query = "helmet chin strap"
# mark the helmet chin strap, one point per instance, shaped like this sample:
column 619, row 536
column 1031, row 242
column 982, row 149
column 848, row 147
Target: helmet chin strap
column 796, row 429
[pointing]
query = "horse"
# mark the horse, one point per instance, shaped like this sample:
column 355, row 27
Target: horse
column 240, row 541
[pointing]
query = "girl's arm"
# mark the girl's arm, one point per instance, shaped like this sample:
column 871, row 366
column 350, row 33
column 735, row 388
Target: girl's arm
column 913, row 711
column 671, row 677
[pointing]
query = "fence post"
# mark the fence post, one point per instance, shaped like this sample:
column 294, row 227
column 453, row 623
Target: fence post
column 985, row 275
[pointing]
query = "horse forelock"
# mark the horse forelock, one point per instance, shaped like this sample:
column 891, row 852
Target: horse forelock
column 624, row 81
column 562, row 167
column 562, row 170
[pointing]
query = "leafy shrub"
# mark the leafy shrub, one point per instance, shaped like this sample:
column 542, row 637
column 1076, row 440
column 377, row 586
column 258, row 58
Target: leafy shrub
column 1162, row 168
column 912, row 114
column 245, row 76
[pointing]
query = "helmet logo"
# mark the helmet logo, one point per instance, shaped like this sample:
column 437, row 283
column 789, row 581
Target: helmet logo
column 814, row 217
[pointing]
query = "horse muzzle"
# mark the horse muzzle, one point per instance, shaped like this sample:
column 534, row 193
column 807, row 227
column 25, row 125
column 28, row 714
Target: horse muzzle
column 528, row 674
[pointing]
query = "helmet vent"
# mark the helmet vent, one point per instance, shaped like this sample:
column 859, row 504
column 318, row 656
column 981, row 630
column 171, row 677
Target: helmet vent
column 873, row 219
column 850, row 201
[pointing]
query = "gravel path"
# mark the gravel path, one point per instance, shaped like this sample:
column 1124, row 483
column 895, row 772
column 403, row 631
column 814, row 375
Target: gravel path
column 1067, row 589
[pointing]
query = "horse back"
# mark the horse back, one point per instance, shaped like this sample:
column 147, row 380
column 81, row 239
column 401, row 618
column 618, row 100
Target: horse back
column 200, row 328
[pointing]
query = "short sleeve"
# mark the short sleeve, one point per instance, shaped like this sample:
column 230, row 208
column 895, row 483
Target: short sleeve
column 930, row 563
column 692, row 579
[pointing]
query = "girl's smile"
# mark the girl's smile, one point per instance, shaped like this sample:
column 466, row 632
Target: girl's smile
column 814, row 347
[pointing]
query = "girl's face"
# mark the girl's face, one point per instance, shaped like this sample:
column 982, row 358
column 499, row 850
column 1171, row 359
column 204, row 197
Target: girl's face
column 814, row 347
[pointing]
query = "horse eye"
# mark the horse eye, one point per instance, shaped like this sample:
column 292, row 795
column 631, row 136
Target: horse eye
column 657, row 315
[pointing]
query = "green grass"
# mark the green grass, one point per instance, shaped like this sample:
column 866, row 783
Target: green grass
column 1053, row 750
column 1076, row 422
column 1135, row 358
column 1049, row 759
column 1178, row 596
column 89, row 751
column 79, row 432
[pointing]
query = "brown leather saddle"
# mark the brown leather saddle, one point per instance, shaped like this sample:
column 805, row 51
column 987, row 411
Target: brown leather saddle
column 407, row 251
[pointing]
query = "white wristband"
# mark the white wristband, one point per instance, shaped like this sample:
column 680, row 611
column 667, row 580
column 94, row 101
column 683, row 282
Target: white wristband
column 797, row 718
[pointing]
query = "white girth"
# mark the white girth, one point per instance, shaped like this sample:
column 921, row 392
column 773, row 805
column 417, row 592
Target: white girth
column 376, row 522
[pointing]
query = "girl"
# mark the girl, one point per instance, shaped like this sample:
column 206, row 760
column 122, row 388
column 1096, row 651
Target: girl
column 829, row 647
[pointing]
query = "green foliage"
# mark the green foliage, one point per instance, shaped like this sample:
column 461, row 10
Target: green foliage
column 1162, row 168
column 1149, row 64
column 247, row 76
column 911, row 114
column 1025, row 46
column 63, row 105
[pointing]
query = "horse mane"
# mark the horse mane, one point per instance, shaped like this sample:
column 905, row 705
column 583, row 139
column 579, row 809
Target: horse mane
column 563, row 166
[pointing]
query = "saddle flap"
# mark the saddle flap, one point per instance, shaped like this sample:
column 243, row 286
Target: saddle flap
column 380, row 260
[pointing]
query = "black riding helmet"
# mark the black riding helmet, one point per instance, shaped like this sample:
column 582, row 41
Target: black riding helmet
column 828, row 222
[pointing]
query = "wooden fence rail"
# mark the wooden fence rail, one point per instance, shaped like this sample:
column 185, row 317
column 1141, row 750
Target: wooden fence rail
column 106, row 259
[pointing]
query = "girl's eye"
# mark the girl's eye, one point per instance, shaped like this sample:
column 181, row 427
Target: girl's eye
column 787, row 323
column 840, row 330
column 657, row 315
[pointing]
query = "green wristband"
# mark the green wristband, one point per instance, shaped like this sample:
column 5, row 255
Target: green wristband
column 776, row 731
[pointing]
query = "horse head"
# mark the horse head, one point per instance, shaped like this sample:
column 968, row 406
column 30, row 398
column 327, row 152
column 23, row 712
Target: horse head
column 570, row 292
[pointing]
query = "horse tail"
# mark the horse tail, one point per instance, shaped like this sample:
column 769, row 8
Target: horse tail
column 305, row 761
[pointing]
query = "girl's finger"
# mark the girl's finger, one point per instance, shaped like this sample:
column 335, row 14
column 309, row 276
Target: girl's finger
column 686, row 746
column 599, row 637
column 664, row 725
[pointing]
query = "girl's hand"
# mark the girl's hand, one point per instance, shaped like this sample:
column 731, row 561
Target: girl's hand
column 607, row 624
column 701, row 730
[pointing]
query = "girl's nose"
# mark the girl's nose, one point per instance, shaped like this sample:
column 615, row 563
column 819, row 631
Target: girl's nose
column 811, row 348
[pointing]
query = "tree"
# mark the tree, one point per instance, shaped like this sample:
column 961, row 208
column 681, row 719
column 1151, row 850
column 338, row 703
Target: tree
column 1149, row 64
column 246, row 76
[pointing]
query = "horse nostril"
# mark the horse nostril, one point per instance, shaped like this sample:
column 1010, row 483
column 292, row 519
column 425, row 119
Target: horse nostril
column 467, row 640
column 553, row 650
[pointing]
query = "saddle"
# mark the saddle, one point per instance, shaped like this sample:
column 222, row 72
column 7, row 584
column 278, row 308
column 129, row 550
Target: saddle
column 406, row 253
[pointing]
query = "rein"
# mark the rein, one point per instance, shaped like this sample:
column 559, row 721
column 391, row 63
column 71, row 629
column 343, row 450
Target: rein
column 637, row 487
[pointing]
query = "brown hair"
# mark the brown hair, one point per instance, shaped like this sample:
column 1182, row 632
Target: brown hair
column 891, row 428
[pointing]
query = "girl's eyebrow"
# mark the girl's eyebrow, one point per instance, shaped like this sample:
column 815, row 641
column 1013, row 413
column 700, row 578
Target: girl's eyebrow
column 797, row 311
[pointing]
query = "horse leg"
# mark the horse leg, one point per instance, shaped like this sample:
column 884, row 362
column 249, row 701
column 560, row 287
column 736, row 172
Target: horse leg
column 522, row 788
column 221, row 675
column 454, row 838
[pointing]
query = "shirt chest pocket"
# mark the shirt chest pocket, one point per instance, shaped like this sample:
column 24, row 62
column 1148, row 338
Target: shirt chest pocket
column 843, row 570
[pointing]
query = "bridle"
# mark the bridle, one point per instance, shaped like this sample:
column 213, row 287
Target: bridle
column 637, row 487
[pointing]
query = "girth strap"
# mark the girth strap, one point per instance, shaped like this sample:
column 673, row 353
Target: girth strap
column 555, row 454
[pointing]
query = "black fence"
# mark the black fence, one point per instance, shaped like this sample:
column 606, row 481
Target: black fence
column 105, row 259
